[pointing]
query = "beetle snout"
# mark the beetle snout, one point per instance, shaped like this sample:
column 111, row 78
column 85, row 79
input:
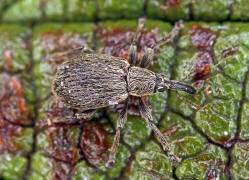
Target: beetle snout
column 183, row 87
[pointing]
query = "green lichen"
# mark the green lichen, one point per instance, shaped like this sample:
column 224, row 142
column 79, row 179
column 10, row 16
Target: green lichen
column 13, row 48
column 240, row 166
column 239, row 10
column 209, row 163
column 184, row 140
column 12, row 166
column 172, row 11
column 116, row 9
column 150, row 162
column 26, row 10
column 213, row 10
column 84, row 172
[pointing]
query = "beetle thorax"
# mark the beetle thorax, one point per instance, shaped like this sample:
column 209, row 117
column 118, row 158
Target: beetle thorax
column 141, row 81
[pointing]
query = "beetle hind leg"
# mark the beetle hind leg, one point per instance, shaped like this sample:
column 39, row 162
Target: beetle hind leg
column 145, row 112
column 61, row 56
column 85, row 114
column 120, row 124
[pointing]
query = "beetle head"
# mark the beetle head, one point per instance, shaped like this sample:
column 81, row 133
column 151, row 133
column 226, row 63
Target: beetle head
column 162, row 84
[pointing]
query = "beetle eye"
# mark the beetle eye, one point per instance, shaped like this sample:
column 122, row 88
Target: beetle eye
column 161, row 89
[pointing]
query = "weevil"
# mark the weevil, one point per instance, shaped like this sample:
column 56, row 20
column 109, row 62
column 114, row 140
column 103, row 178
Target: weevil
column 91, row 81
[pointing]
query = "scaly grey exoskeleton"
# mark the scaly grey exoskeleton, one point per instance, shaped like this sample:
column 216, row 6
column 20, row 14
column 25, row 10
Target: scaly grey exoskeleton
column 91, row 81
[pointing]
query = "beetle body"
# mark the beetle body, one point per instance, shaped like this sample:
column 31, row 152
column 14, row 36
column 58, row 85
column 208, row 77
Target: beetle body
column 92, row 81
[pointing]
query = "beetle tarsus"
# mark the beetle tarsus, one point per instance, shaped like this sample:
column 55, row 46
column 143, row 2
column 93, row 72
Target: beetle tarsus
column 110, row 163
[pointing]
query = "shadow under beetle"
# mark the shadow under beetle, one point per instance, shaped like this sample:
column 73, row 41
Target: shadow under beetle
column 91, row 81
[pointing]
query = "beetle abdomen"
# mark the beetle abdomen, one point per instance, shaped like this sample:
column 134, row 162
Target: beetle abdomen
column 91, row 81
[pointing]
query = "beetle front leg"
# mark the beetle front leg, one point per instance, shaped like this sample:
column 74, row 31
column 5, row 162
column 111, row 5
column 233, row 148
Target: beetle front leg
column 149, row 53
column 120, row 124
column 147, row 58
column 171, row 36
column 145, row 112
column 133, row 55
column 133, row 47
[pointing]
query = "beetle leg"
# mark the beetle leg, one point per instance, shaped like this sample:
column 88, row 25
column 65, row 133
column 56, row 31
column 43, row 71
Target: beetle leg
column 149, row 53
column 61, row 56
column 67, row 118
column 147, row 58
column 171, row 36
column 145, row 112
column 85, row 114
column 120, row 124
column 133, row 47
column 133, row 54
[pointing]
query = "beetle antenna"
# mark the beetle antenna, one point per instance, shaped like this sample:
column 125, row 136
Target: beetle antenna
column 195, row 106
column 182, row 87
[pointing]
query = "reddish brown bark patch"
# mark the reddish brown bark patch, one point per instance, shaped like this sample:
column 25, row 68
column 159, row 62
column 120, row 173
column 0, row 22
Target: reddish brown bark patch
column 149, row 39
column 116, row 41
column 94, row 143
column 202, row 66
column 173, row 3
column 8, row 135
column 203, row 40
column 61, row 170
column 8, row 59
column 55, row 44
column 13, row 106
column 62, row 145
